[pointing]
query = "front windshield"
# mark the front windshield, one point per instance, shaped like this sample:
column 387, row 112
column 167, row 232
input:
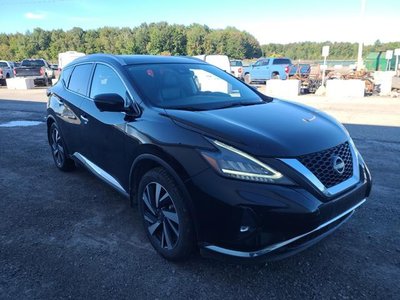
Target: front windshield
column 190, row 86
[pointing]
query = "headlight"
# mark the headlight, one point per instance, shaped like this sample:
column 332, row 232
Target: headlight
column 234, row 163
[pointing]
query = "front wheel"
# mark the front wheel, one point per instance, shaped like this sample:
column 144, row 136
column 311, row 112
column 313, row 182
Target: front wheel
column 165, row 215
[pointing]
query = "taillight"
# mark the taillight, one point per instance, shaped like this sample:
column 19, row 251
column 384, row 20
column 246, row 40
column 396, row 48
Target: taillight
column 42, row 71
column 240, row 70
column 1, row 71
column 287, row 69
column 15, row 72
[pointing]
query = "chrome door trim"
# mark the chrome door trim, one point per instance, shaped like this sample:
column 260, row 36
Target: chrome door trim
column 99, row 172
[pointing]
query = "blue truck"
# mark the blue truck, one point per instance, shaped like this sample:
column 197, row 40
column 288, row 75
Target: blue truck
column 267, row 68
column 300, row 70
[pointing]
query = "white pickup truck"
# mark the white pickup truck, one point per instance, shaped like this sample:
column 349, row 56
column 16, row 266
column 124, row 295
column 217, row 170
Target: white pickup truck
column 6, row 70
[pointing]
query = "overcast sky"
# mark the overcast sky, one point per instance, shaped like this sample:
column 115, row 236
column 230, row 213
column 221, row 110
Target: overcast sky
column 270, row 21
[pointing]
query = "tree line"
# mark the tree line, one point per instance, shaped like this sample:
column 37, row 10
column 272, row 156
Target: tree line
column 154, row 38
column 313, row 50
column 166, row 39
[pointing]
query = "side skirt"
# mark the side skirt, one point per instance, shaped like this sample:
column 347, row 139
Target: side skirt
column 100, row 173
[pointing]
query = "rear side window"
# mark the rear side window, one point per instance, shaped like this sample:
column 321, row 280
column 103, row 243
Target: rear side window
column 79, row 80
column 281, row 61
column 66, row 73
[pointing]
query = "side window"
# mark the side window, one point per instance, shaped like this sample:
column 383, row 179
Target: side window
column 80, row 79
column 66, row 73
column 257, row 63
column 265, row 62
column 106, row 81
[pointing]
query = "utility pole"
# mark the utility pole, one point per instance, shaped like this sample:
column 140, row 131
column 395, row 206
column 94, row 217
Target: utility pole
column 361, row 41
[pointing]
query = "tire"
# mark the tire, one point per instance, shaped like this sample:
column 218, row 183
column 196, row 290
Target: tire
column 165, row 215
column 247, row 78
column 58, row 150
column 275, row 76
column 46, row 81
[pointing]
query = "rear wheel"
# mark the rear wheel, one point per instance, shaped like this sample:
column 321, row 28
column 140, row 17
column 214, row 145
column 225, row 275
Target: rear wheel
column 165, row 215
column 275, row 76
column 46, row 80
column 61, row 158
column 247, row 78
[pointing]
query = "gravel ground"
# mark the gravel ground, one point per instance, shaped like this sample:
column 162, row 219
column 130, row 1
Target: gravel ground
column 68, row 235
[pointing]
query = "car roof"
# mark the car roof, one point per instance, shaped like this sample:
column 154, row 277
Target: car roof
column 136, row 59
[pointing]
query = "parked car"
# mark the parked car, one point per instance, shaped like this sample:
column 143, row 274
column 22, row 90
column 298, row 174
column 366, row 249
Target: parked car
column 235, row 173
column 6, row 71
column 237, row 68
column 267, row 68
column 38, row 69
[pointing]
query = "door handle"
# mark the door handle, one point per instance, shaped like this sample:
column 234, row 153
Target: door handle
column 84, row 119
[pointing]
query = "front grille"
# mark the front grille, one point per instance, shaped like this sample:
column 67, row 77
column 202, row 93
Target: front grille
column 321, row 164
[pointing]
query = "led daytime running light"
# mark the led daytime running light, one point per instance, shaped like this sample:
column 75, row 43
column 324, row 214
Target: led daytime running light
column 275, row 174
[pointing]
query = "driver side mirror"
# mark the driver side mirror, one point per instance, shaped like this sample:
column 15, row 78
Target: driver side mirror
column 115, row 103
column 110, row 102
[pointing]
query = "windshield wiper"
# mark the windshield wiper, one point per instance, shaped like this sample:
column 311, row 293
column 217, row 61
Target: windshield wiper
column 241, row 103
column 189, row 108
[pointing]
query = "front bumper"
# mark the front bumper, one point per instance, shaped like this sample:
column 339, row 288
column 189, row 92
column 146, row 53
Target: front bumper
column 257, row 222
column 288, row 247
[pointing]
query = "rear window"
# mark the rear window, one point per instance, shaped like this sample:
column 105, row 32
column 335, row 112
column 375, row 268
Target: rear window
column 79, row 80
column 236, row 63
column 3, row 65
column 281, row 61
column 32, row 63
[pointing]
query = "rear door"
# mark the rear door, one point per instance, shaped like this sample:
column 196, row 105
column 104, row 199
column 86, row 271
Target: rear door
column 68, row 95
column 104, row 132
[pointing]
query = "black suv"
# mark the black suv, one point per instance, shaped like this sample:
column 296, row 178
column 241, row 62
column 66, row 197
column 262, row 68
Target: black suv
column 211, row 162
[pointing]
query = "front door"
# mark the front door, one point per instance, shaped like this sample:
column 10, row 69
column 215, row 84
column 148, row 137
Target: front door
column 104, row 132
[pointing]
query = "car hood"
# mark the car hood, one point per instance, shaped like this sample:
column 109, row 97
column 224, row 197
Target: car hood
column 274, row 129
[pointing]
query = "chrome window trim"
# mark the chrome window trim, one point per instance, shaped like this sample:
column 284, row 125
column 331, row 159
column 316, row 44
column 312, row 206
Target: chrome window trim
column 281, row 244
column 100, row 173
column 87, row 97
column 353, row 180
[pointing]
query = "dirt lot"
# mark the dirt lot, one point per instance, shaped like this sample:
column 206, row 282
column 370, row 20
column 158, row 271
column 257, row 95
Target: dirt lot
column 70, row 236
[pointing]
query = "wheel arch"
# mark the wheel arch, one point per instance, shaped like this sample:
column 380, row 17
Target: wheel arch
column 149, row 157
column 50, row 120
column 154, row 157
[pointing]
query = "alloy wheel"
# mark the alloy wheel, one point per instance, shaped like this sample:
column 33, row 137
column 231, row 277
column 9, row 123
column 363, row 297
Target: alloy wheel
column 57, row 147
column 161, row 216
